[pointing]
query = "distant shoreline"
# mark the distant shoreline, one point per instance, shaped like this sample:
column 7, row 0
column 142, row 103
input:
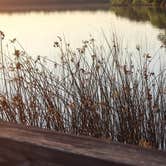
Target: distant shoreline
column 155, row 3
column 137, row 5
column 54, row 7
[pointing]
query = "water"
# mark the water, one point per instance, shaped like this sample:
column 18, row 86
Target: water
column 37, row 31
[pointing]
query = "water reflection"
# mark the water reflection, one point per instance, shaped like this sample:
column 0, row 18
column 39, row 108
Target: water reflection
column 38, row 30
column 156, row 16
column 162, row 37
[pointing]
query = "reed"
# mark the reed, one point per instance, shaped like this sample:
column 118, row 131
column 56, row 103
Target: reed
column 90, row 91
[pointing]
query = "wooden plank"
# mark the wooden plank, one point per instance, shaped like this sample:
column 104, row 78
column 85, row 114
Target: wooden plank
column 26, row 146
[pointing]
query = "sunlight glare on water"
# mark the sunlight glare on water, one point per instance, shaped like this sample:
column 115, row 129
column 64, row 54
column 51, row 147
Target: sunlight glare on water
column 37, row 31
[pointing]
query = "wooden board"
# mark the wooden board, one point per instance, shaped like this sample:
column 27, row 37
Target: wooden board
column 25, row 146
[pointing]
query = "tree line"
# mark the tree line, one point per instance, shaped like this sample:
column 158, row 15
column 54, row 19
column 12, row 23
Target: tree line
column 139, row 2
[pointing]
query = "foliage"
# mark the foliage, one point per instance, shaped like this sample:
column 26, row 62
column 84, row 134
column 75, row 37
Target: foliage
column 89, row 92
column 138, row 2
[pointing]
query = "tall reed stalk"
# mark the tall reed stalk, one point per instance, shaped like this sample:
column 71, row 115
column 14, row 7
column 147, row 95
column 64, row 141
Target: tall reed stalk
column 90, row 92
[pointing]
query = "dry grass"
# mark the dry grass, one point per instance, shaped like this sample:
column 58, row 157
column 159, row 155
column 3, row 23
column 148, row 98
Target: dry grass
column 89, row 92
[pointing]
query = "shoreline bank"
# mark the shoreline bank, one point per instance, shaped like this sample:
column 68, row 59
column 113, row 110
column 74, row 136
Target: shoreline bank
column 139, row 5
column 55, row 7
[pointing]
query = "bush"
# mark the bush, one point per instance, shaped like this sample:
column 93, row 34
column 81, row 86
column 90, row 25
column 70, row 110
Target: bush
column 89, row 92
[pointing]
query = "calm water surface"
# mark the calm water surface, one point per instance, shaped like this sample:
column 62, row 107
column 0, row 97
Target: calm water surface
column 37, row 31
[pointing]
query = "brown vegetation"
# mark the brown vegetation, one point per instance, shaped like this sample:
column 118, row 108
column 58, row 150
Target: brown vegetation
column 89, row 92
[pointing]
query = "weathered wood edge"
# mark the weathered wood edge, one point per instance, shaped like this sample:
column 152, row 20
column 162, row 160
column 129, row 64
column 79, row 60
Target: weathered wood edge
column 33, row 146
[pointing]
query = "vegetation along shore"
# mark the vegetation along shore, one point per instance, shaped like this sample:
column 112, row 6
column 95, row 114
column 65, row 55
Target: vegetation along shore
column 90, row 91
column 161, row 3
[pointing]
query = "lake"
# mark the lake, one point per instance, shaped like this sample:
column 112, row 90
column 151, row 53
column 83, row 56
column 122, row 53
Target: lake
column 37, row 30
